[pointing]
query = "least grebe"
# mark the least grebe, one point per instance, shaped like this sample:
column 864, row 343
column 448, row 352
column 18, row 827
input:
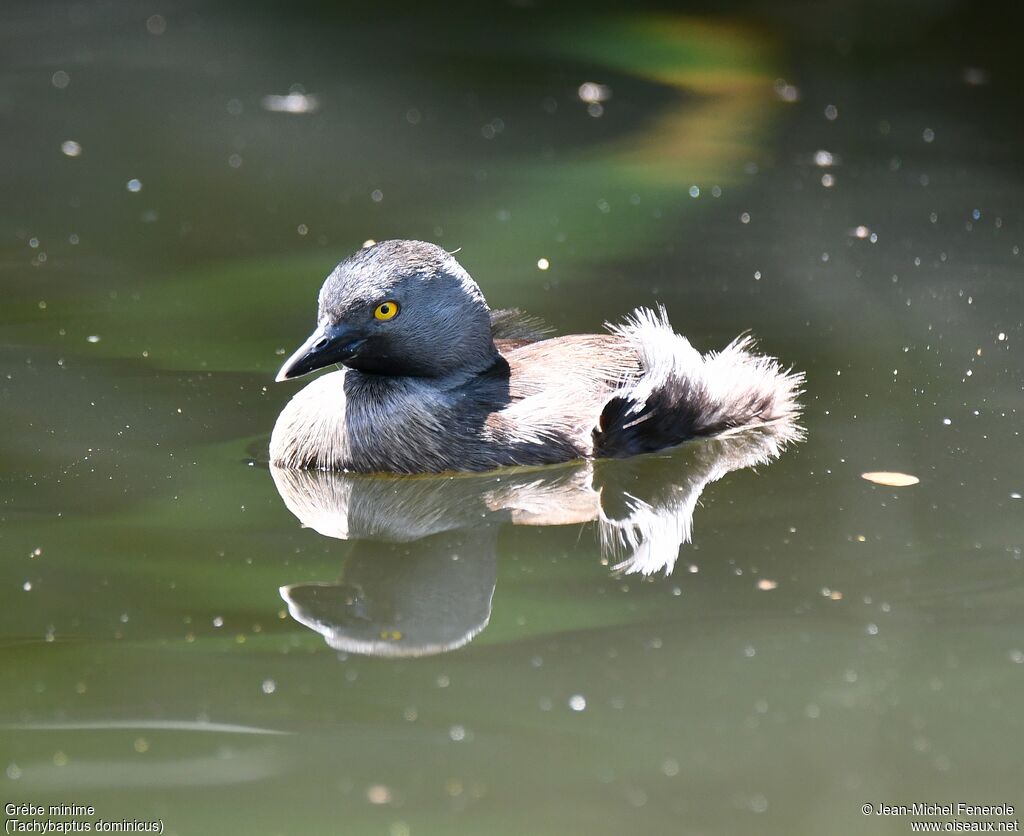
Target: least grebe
column 434, row 380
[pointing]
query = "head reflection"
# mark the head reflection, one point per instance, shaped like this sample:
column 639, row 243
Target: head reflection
column 421, row 574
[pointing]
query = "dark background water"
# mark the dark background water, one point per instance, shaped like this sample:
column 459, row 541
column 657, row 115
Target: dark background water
column 151, row 667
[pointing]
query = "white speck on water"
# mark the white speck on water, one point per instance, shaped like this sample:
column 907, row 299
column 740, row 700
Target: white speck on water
column 93, row 338
column 378, row 794
column 376, row 195
column 975, row 76
column 1017, row 657
column 872, row 629
column 13, row 771
column 369, row 242
column 860, row 232
column 694, row 191
column 156, row 25
column 1001, row 336
column 70, row 148
column 60, row 79
column 218, row 621
column 134, row 185
column 593, row 93
column 766, row 584
column 824, row 159
column 831, row 113
column 235, row 107
column 1015, row 495
column 302, row 229
column 828, row 180
column 928, row 135
column 235, row 161
column 442, row 681
column 750, row 651
column 27, row 586
column 413, row 116
column 457, row 733
column 294, row 102
column 670, row 767
column 947, row 421
column 543, row 264
column 268, row 686
column 788, row 93
column 812, row 711
column 577, row 702
column 758, row 803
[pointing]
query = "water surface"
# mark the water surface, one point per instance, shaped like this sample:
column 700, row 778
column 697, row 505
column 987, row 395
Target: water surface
column 845, row 185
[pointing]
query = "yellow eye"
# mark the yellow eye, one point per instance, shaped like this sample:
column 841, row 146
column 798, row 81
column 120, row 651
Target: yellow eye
column 386, row 311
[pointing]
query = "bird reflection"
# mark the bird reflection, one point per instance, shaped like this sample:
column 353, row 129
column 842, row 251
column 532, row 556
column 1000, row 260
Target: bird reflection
column 422, row 571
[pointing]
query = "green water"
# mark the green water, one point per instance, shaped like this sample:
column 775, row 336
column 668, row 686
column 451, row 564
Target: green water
column 823, row 642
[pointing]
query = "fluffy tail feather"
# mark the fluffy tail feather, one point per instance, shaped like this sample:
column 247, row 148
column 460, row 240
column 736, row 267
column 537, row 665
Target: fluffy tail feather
column 680, row 394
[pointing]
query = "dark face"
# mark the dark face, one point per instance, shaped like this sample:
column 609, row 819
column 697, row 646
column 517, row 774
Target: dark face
column 398, row 308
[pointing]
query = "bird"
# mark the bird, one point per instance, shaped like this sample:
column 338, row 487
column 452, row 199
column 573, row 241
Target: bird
column 432, row 380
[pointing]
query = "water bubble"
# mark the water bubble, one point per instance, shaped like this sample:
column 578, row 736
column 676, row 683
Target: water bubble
column 543, row 264
column 457, row 733
column 928, row 135
column 134, row 185
column 156, row 25
column 577, row 702
column 376, row 195
column 60, row 79
column 831, row 113
column 70, row 148
column 268, row 686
